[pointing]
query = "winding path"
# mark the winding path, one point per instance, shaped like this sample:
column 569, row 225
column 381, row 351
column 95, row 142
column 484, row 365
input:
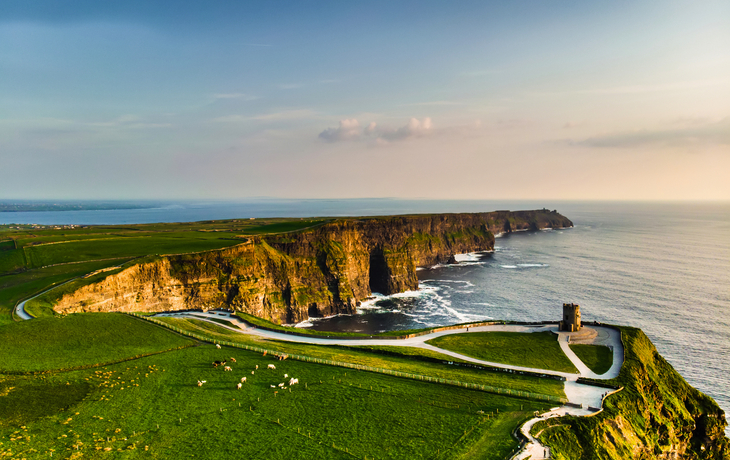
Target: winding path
column 583, row 399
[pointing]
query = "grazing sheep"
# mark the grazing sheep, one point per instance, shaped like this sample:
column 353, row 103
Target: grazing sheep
column 233, row 360
column 271, row 366
column 227, row 369
column 257, row 366
column 201, row 382
column 238, row 386
column 286, row 375
column 272, row 386
column 251, row 372
column 217, row 345
column 293, row 381
column 219, row 363
column 243, row 379
column 281, row 384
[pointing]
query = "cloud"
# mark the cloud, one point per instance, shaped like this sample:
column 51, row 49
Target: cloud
column 349, row 129
column 697, row 133
column 239, row 96
column 414, row 128
column 296, row 114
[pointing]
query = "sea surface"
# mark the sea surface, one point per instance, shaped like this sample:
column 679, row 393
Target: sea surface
column 662, row 267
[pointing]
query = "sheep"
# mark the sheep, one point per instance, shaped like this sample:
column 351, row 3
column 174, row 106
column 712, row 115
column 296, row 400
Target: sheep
column 201, row 382
column 271, row 366
column 281, row 384
column 217, row 345
column 251, row 372
column 233, row 360
column 286, row 375
column 219, row 363
column 238, row 386
column 243, row 379
column 272, row 386
column 227, row 369
column 257, row 366
column 293, row 381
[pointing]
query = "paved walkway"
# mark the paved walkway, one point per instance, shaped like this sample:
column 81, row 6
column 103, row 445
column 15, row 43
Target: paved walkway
column 589, row 398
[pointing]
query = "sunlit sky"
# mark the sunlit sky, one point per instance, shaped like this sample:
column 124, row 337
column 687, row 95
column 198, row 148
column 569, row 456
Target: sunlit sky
column 620, row 100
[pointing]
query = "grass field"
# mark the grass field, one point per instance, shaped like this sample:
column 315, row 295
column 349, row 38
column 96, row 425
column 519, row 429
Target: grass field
column 80, row 340
column 538, row 349
column 398, row 358
column 151, row 407
column 33, row 248
column 598, row 358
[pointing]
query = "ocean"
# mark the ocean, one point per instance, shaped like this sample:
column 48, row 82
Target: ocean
column 662, row 267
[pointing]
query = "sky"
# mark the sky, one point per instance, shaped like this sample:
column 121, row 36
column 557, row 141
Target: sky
column 575, row 100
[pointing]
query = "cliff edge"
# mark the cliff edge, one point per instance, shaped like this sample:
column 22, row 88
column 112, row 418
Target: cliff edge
column 292, row 276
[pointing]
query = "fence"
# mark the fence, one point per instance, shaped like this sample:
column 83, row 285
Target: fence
column 360, row 367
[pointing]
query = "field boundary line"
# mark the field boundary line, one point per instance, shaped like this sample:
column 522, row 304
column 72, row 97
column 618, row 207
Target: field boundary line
column 91, row 366
column 379, row 370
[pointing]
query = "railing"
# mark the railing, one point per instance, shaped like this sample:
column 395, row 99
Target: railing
column 310, row 359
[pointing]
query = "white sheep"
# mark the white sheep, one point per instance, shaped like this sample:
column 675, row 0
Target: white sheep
column 243, row 379
column 281, row 385
column 201, row 382
column 293, row 381
column 233, row 359
column 286, row 375
column 227, row 369
column 272, row 386
column 271, row 366
column 217, row 345
column 251, row 372
column 257, row 366
column 238, row 386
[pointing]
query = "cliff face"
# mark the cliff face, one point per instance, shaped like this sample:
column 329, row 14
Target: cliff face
column 657, row 415
column 290, row 277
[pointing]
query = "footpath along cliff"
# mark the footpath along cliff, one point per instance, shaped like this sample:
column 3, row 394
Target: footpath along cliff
column 322, row 271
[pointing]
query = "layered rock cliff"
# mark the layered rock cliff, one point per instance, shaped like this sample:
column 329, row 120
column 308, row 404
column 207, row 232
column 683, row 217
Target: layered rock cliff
column 290, row 277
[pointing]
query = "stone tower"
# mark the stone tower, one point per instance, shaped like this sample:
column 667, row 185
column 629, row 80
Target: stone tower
column 571, row 318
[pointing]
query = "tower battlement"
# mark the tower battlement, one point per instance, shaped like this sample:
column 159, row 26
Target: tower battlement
column 571, row 318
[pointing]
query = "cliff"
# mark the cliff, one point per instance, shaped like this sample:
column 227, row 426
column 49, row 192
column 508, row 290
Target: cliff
column 657, row 415
column 291, row 276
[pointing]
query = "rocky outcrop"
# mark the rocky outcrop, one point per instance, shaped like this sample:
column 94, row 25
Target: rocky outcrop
column 322, row 271
column 657, row 415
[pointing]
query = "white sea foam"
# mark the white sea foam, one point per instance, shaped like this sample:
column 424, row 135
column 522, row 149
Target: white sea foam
column 508, row 266
column 305, row 323
column 532, row 265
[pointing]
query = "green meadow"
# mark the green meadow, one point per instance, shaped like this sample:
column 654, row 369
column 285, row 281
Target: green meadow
column 148, row 404
column 538, row 349
column 598, row 358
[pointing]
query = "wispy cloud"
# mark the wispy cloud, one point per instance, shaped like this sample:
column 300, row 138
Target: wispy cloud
column 296, row 114
column 698, row 133
column 238, row 96
column 480, row 73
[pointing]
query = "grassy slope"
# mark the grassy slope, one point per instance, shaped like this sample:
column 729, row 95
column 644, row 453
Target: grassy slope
column 598, row 358
column 656, row 410
column 538, row 349
column 79, row 340
column 19, row 286
column 401, row 359
column 151, row 407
